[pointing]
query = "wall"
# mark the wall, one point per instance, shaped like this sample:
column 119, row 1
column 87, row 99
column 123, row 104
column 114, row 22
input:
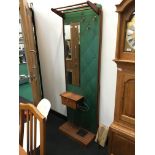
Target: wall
column 50, row 42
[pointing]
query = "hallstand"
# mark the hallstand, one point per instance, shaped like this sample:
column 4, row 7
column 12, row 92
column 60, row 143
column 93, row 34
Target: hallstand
column 72, row 100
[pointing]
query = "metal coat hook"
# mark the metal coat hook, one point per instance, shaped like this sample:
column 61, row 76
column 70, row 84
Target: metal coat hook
column 31, row 5
column 88, row 27
column 94, row 18
column 82, row 19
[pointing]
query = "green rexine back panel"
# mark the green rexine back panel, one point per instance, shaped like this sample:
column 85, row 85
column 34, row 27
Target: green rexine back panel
column 89, row 53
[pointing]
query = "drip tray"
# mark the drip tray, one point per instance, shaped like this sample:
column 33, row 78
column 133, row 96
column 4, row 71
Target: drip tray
column 82, row 132
column 79, row 134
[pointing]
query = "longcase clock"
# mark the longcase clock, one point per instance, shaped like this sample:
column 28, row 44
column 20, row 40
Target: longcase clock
column 122, row 130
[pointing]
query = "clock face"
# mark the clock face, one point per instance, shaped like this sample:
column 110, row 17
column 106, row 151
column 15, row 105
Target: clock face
column 130, row 36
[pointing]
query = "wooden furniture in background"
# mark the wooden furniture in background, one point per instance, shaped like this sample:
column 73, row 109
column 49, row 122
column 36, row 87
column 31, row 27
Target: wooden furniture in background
column 30, row 50
column 122, row 130
column 32, row 116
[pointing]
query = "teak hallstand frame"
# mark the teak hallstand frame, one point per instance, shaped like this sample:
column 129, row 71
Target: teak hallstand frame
column 69, row 128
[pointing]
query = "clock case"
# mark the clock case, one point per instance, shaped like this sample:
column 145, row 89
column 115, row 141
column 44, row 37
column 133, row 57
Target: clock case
column 121, row 139
column 125, row 13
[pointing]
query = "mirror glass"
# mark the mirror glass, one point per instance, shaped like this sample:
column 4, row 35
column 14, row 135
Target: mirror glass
column 72, row 53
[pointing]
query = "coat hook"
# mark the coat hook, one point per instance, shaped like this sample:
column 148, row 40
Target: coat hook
column 94, row 18
column 82, row 19
column 31, row 5
column 88, row 27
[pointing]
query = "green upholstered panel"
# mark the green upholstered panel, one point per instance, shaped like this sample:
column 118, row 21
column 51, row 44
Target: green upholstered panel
column 89, row 53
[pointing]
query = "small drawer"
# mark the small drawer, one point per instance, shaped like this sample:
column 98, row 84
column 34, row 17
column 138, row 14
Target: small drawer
column 68, row 102
column 71, row 100
column 64, row 100
column 72, row 104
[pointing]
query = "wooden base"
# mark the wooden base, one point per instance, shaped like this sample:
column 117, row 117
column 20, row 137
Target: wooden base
column 121, row 140
column 71, row 130
column 126, row 132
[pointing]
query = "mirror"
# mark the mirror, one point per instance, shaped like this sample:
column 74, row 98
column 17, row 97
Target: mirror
column 72, row 53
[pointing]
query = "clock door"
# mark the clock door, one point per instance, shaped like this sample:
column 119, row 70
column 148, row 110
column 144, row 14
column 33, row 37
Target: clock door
column 125, row 101
column 126, row 35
